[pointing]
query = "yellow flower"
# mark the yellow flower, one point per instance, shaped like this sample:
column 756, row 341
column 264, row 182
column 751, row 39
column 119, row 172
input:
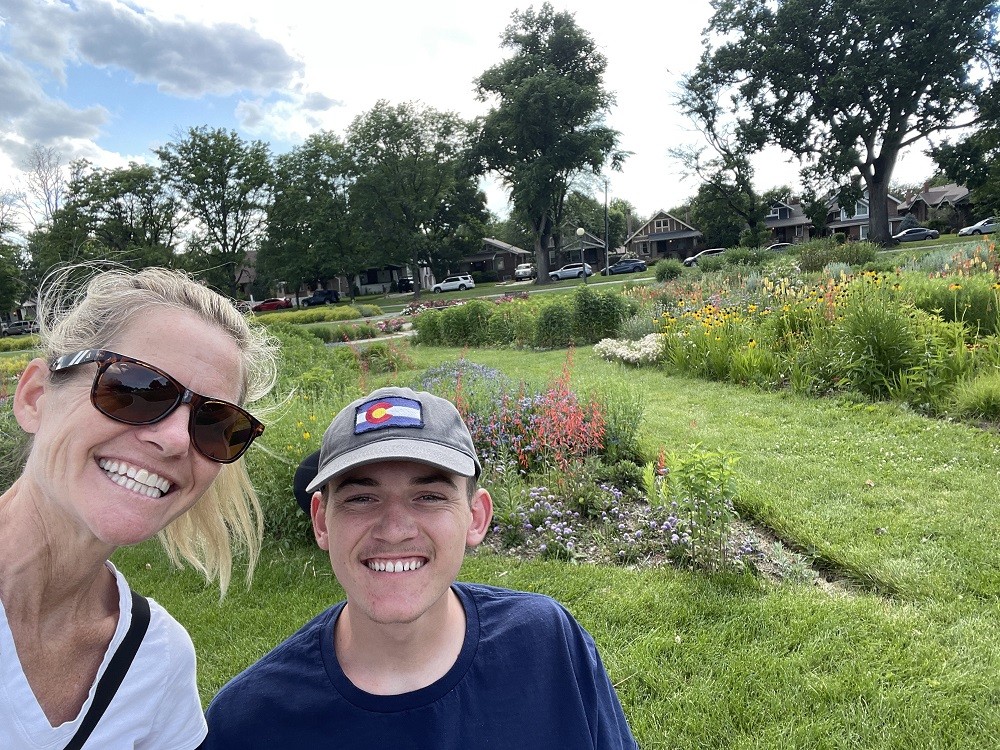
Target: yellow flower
column 306, row 436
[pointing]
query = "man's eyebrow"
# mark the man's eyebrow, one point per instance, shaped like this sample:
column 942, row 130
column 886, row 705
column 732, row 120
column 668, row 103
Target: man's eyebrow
column 361, row 480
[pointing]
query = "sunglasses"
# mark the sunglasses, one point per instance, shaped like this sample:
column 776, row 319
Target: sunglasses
column 133, row 392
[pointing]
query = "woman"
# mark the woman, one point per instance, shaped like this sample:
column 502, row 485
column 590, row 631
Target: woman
column 136, row 429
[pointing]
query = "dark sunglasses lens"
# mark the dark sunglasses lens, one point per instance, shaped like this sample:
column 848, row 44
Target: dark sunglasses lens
column 222, row 431
column 133, row 393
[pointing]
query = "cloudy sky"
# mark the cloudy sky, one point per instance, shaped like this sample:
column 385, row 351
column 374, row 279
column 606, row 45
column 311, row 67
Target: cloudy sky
column 110, row 80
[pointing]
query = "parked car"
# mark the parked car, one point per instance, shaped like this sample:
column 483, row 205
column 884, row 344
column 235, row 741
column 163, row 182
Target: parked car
column 571, row 271
column 3, row 327
column 778, row 246
column 625, row 265
column 272, row 303
column 525, row 271
column 916, row 233
column 986, row 226
column 321, row 297
column 404, row 284
column 693, row 259
column 453, row 283
column 21, row 327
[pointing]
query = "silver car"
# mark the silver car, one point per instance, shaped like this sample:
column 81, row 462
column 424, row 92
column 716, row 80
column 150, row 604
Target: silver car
column 986, row 226
column 572, row 271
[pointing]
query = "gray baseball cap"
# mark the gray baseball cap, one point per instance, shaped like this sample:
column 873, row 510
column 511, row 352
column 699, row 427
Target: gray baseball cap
column 396, row 424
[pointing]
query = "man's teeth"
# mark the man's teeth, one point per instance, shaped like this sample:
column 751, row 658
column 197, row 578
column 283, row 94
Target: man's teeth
column 388, row 566
column 131, row 478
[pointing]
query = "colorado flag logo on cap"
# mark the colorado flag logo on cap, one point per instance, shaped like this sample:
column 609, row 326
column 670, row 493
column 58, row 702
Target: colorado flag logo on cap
column 391, row 411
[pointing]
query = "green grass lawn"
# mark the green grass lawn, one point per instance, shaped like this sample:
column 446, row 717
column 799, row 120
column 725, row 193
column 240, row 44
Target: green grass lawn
column 903, row 506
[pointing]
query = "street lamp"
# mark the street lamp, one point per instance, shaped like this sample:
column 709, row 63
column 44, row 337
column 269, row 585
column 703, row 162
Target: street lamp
column 580, row 231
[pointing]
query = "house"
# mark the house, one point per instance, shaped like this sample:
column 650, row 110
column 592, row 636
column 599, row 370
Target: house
column 578, row 248
column 663, row 236
column 496, row 260
column 930, row 200
column 856, row 227
column 788, row 222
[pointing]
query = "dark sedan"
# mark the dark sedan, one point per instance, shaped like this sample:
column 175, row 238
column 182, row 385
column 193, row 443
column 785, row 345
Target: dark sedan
column 274, row 303
column 916, row 233
column 625, row 265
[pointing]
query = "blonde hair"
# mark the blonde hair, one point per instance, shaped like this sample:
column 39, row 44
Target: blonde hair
column 86, row 306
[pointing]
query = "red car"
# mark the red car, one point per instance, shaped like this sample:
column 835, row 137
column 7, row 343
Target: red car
column 274, row 303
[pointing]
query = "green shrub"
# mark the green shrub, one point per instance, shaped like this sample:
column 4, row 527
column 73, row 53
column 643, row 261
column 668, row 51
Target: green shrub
column 742, row 256
column 428, row 327
column 978, row 398
column 596, row 314
column 814, row 255
column 971, row 300
column 511, row 325
column 555, row 325
column 710, row 263
column 839, row 238
column 466, row 324
column 667, row 269
column 343, row 331
column 17, row 343
column 878, row 341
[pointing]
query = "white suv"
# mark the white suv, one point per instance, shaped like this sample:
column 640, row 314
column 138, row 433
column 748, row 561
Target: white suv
column 572, row 271
column 452, row 283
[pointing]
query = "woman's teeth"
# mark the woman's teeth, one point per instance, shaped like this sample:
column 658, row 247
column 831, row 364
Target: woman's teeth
column 132, row 478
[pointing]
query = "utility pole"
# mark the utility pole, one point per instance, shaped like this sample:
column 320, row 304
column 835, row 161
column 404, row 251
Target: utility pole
column 606, row 248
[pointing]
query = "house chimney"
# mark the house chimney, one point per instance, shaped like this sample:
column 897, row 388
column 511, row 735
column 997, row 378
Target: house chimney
column 927, row 186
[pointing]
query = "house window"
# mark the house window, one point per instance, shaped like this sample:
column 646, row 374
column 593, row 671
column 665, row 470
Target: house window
column 798, row 231
column 861, row 209
column 864, row 231
column 775, row 212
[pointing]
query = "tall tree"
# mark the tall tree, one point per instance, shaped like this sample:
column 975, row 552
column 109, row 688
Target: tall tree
column 225, row 186
column 310, row 230
column 974, row 160
column 548, row 122
column 413, row 194
column 130, row 211
column 44, row 186
column 846, row 84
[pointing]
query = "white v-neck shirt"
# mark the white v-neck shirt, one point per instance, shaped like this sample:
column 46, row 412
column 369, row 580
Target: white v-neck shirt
column 156, row 706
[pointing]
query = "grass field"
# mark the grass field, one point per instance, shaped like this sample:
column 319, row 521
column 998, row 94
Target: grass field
column 908, row 656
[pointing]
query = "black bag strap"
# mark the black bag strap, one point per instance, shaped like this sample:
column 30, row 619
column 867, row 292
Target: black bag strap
column 107, row 686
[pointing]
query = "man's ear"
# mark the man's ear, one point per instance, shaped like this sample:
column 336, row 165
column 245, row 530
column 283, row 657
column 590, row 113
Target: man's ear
column 482, row 514
column 317, row 508
column 29, row 397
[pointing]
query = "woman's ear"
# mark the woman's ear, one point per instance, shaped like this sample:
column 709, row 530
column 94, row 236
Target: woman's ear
column 29, row 397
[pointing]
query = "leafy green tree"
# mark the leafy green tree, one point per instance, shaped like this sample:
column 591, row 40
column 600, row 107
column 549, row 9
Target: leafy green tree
column 974, row 161
column 712, row 215
column 413, row 196
column 310, row 230
column 724, row 172
column 510, row 230
column 12, row 287
column 130, row 212
column 224, row 184
column 548, row 124
column 845, row 84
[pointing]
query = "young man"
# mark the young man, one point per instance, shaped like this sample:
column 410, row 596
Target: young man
column 413, row 659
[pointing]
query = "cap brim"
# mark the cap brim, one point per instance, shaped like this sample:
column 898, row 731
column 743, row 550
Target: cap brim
column 303, row 476
column 398, row 449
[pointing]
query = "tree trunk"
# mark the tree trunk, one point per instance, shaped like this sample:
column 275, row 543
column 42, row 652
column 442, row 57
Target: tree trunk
column 543, row 233
column 877, row 181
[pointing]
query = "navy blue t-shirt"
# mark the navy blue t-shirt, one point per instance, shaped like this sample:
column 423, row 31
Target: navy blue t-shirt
column 528, row 676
